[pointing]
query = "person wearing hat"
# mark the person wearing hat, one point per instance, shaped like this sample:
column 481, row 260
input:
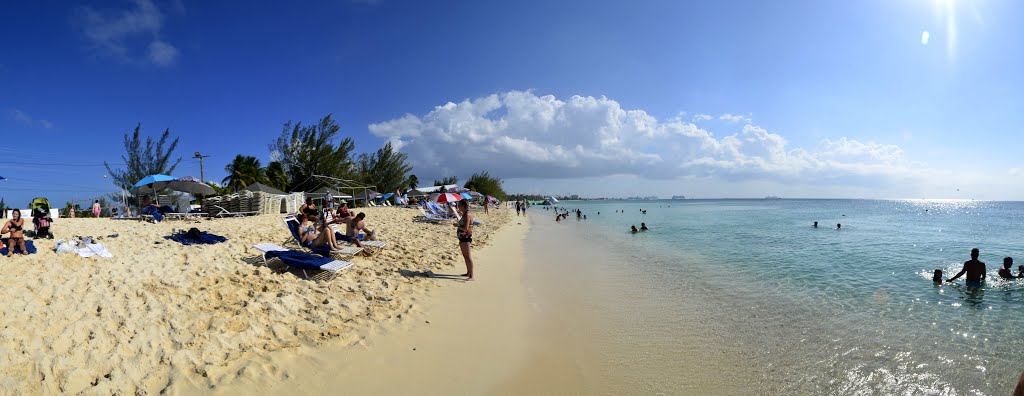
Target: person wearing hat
column 343, row 209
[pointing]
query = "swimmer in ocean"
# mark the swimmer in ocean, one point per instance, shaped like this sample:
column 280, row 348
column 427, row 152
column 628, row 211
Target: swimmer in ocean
column 1005, row 272
column 815, row 224
column 633, row 229
column 839, row 226
column 643, row 227
column 974, row 269
column 937, row 277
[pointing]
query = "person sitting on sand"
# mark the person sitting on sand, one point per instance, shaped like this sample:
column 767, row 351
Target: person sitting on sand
column 357, row 224
column 633, row 229
column 643, row 227
column 343, row 209
column 937, row 276
column 17, row 238
column 974, row 269
column 1005, row 272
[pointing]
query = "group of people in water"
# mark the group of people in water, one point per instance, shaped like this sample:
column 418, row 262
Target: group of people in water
column 974, row 270
column 838, row 226
column 563, row 213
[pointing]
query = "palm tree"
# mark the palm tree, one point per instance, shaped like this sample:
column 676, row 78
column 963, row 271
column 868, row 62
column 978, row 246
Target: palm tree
column 276, row 176
column 243, row 171
column 413, row 181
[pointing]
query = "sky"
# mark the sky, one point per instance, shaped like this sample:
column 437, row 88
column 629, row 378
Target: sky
column 865, row 99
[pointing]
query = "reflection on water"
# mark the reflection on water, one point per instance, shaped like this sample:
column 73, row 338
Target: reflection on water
column 827, row 311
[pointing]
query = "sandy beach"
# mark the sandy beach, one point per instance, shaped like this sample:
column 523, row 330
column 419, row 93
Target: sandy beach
column 163, row 317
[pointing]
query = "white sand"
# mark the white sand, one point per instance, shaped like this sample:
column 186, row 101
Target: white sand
column 167, row 317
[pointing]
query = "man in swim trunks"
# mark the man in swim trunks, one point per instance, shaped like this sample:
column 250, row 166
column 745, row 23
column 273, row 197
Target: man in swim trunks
column 974, row 269
column 357, row 224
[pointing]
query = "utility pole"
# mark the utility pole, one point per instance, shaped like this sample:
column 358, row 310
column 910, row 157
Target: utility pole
column 200, row 157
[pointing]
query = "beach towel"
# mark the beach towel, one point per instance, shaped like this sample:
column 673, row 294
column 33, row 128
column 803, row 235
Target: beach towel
column 93, row 249
column 204, row 238
column 29, row 245
column 299, row 260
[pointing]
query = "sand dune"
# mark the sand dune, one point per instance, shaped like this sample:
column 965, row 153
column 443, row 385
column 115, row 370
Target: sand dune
column 161, row 316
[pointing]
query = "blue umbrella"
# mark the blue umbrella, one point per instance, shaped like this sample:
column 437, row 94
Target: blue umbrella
column 152, row 183
column 467, row 196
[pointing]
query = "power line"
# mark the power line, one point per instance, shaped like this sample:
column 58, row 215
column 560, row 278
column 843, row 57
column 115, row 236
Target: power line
column 50, row 164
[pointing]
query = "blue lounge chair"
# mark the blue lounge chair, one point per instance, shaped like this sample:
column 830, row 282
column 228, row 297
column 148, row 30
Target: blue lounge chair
column 301, row 260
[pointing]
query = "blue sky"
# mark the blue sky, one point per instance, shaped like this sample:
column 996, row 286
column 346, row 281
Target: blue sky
column 706, row 99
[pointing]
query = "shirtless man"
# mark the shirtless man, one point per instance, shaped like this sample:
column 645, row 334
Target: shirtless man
column 1005, row 272
column 357, row 224
column 974, row 269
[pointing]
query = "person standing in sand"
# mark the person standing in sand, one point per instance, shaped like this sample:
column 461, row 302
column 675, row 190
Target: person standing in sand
column 974, row 269
column 464, row 231
column 96, row 208
column 17, row 238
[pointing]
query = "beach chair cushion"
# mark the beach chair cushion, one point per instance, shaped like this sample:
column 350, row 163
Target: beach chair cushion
column 306, row 261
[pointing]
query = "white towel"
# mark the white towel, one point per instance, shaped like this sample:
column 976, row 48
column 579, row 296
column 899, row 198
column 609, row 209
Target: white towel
column 93, row 249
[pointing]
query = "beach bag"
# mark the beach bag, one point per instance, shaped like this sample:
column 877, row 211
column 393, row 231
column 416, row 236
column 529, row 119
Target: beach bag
column 63, row 247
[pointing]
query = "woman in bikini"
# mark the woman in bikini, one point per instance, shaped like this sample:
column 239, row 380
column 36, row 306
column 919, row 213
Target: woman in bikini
column 17, row 238
column 314, row 237
column 464, row 231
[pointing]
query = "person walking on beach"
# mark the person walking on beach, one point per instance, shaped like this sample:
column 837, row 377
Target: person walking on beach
column 96, row 208
column 15, row 226
column 464, row 231
column 518, row 208
column 974, row 269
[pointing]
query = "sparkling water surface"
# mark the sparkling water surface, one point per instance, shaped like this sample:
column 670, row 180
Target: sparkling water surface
column 821, row 311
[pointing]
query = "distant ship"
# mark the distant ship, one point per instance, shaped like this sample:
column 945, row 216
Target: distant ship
column 772, row 197
column 678, row 197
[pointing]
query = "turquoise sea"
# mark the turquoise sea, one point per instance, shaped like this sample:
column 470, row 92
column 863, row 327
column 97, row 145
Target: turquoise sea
column 799, row 310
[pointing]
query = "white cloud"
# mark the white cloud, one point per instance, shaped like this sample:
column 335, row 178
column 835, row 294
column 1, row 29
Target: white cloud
column 20, row 116
column 522, row 135
column 24, row 118
column 702, row 117
column 924, row 37
column 162, row 53
column 119, row 33
column 734, row 118
column 1015, row 172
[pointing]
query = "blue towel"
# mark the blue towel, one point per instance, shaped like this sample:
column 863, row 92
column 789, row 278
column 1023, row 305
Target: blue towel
column 342, row 237
column 299, row 259
column 28, row 245
column 205, row 238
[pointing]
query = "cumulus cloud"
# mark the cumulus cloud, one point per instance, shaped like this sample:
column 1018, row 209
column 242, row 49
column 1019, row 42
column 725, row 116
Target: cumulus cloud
column 130, row 35
column 524, row 135
column 702, row 117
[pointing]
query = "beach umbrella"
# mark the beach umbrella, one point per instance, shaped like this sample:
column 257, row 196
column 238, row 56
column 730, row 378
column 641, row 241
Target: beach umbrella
column 191, row 185
column 151, row 184
column 447, row 197
column 492, row 199
column 467, row 196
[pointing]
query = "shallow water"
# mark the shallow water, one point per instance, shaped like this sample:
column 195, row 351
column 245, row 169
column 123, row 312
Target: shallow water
column 802, row 310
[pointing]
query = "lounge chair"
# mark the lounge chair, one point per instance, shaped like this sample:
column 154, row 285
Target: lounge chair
column 226, row 213
column 432, row 218
column 301, row 260
column 185, row 216
column 293, row 226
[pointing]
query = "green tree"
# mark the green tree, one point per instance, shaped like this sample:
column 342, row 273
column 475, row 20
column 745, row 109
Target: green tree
column 276, row 177
column 446, row 181
column 243, row 171
column 486, row 184
column 219, row 189
column 385, row 169
column 307, row 151
column 412, row 182
column 144, row 160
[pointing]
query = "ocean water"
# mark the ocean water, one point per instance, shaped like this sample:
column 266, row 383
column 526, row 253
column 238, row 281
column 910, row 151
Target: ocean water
column 794, row 309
